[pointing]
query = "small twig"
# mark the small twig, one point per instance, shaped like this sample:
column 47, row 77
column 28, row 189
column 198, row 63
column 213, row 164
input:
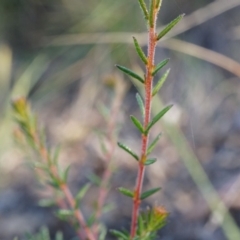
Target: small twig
column 120, row 89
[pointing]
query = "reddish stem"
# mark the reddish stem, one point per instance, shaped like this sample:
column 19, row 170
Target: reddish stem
column 65, row 189
column 148, row 101
column 120, row 90
column 78, row 214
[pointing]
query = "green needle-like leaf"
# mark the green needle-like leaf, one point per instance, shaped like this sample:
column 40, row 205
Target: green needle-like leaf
column 159, row 84
column 128, row 150
column 119, row 234
column 56, row 155
column 54, row 183
column 140, row 104
column 140, row 51
column 151, row 13
column 170, row 26
column 153, row 144
column 130, row 73
column 150, row 161
column 65, row 174
column 160, row 66
column 158, row 3
column 137, row 124
column 140, row 225
column 81, row 194
column 158, row 117
column 144, row 8
column 149, row 193
column 126, row 192
column 94, row 179
column 64, row 214
column 46, row 203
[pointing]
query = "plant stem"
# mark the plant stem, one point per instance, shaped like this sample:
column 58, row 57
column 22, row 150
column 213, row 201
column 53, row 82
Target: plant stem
column 66, row 191
column 148, row 102
column 120, row 90
column 78, row 214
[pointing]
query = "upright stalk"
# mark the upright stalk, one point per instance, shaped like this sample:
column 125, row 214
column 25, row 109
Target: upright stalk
column 120, row 89
column 47, row 165
column 87, row 233
column 152, row 41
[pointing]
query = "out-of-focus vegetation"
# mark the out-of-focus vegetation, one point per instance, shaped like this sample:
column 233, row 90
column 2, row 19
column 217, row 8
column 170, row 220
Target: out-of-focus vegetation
column 60, row 55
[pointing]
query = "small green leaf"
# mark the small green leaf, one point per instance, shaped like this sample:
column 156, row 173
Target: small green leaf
column 137, row 124
column 149, row 193
column 151, row 13
column 94, row 179
column 91, row 219
column 119, row 234
column 54, row 183
column 144, row 8
column 160, row 66
column 102, row 232
column 65, row 174
column 56, row 154
column 158, row 3
column 140, row 104
column 153, row 144
column 140, row 225
column 128, row 150
column 59, row 236
column 130, row 73
column 45, row 233
column 169, row 26
column 126, row 192
column 102, row 142
column 104, row 111
column 160, row 83
column 40, row 165
column 158, row 117
column 108, row 207
column 46, row 203
column 81, row 194
column 140, row 51
column 150, row 161
column 64, row 213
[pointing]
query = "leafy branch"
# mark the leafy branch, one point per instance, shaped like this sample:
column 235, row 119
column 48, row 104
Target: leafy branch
column 150, row 14
column 47, row 167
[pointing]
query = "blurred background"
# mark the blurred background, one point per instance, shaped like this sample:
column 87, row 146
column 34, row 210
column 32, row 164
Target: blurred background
column 60, row 54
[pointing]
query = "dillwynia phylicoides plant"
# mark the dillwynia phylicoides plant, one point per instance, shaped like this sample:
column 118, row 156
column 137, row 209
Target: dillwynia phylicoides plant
column 50, row 174
column 144, row 226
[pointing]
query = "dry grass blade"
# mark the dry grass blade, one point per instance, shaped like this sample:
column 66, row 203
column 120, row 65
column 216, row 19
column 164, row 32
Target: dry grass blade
column 194, row 50
column 194, row 19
